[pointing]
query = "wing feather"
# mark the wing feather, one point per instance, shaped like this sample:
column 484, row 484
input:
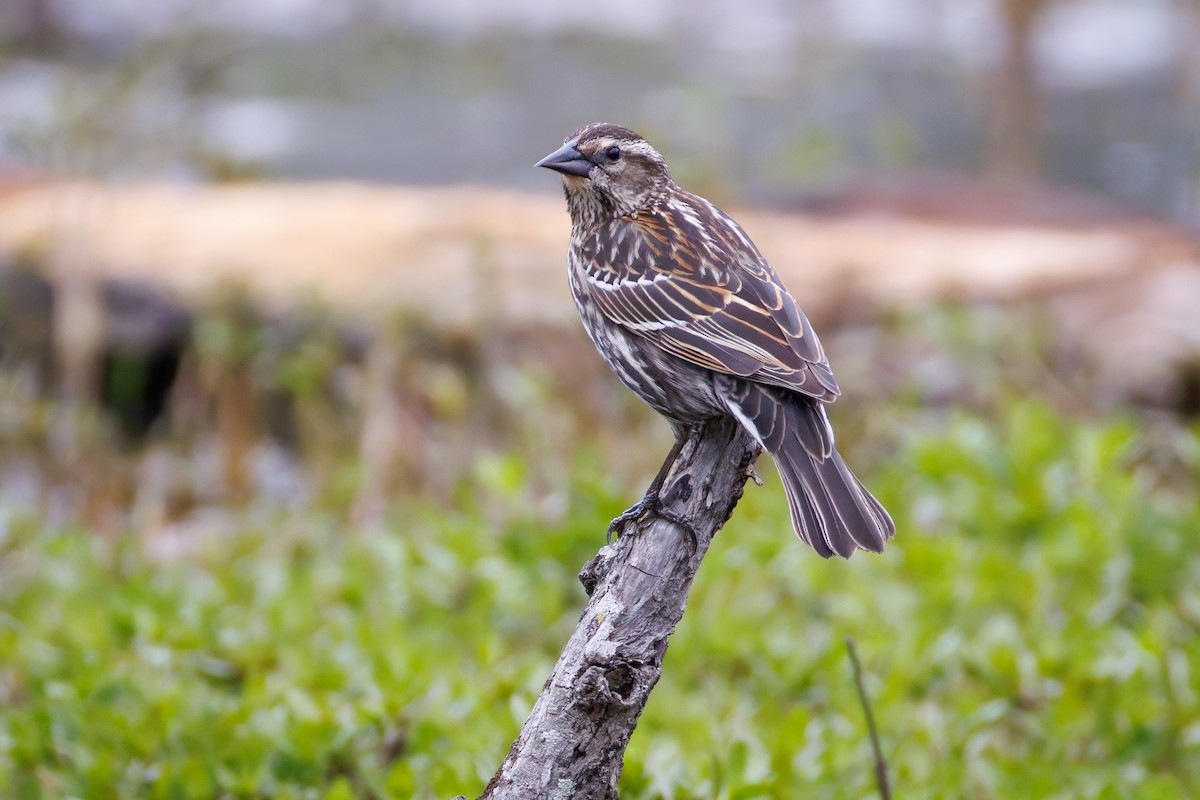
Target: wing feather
column 708, row 298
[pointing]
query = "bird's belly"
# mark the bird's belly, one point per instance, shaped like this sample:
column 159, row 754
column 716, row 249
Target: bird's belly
column 680, row 391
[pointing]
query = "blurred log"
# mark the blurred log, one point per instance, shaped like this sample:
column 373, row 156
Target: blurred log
column 466, row 258
column 573, row 744
column 362, row 247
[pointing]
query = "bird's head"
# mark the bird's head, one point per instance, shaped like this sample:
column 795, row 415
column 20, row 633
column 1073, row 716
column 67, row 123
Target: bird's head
column 608, row 171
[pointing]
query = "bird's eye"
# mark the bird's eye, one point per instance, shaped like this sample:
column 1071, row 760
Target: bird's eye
column 613, row 153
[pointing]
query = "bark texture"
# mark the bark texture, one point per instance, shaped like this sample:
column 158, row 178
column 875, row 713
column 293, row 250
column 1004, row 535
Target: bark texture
column 573, row 744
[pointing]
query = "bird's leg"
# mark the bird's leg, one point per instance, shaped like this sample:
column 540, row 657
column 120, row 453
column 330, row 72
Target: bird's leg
column 649, row 504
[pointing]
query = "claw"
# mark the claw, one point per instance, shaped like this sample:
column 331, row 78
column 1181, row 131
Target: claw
column 650, row 505
column 634, row 513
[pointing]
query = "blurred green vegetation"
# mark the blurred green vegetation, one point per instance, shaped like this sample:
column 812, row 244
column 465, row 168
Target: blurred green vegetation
column 1032, row 632
column 277, row 595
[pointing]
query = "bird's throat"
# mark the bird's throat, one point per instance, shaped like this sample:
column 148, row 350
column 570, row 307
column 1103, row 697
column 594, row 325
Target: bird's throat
column 587, row 206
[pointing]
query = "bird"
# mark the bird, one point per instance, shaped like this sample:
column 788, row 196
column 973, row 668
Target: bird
column 692, row 318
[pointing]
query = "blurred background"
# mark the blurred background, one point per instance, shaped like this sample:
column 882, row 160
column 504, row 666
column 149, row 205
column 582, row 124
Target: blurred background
column 301, row 442
column 762, row 99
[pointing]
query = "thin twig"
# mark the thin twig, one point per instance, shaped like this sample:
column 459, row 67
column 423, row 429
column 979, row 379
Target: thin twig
column 881, row 776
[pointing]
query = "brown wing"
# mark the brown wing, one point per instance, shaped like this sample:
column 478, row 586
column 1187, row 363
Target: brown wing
column 689, row 279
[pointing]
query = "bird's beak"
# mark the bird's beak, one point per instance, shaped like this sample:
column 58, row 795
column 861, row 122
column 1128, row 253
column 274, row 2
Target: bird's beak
column 567, row 160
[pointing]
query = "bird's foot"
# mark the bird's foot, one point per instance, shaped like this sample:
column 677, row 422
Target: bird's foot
column 635, row 513
column 643, row 508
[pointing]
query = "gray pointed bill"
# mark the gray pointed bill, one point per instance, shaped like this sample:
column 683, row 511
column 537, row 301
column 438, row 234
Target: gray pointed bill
column 567, row 160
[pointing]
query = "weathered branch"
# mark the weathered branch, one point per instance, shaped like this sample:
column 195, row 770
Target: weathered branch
column 573, row 744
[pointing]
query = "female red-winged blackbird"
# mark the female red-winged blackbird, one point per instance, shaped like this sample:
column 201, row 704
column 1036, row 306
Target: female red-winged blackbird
column 692, row 318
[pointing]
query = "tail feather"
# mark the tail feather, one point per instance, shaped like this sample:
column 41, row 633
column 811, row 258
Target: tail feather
column 831, row 510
